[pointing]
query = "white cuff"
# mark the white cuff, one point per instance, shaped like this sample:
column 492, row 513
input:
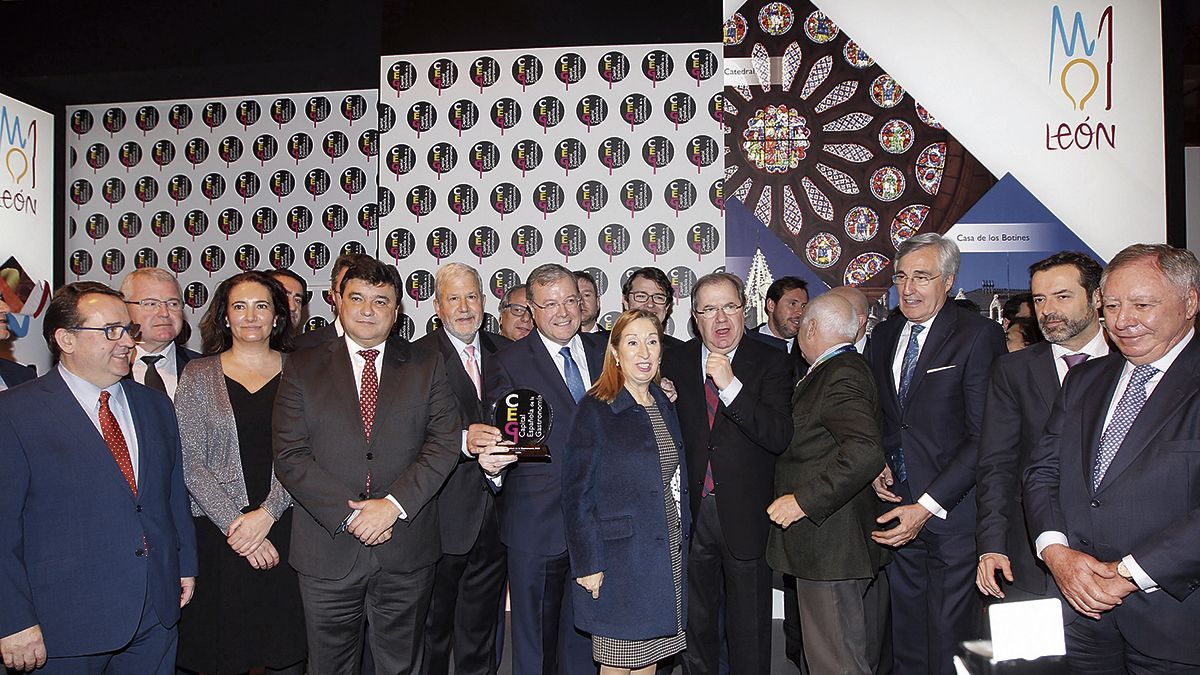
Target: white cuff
column 932, row 506
column 993, row 553
column 1140, row 577
column 1047, row 538
column 466, row 453
column 497, row 480
column 729, row 393
column 403, row 514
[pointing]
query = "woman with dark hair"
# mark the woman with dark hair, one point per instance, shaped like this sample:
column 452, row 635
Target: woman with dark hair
column 1022, row 332
column 248, row 613
column 626, row 507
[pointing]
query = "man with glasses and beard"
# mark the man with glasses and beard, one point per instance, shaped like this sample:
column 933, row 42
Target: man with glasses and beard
column 1021, row 393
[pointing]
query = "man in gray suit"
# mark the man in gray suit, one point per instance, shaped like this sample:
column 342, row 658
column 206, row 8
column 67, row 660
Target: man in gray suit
column 826, row 507
column 366, row 431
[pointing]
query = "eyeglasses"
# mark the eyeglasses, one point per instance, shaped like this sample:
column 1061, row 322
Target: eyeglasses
column 710, row 312
column 153, row 304
column 553, row 306
column 918, row 280
column 115, row 333
column 516, row 310
column 642, row 297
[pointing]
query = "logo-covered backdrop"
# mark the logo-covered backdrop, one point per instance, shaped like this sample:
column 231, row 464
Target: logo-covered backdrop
column 210, row 187
column 600, row 158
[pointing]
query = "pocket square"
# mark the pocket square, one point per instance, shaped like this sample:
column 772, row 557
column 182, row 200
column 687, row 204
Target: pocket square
column 934, row 370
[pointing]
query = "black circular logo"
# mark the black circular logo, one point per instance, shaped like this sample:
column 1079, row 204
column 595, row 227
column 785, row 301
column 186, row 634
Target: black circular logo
column 212, row 186
column 400, row 244
column 230, row 149
column 265, row 147
column 282, row 183
column 591, row 110
column 299, row 219
column 701, row 65
column 526, row 155
column 81, row 262
column 441, row 242
column 485, row 156
column 195, row 222
column 526, row 241
column 657, row 152
column 601, row 279
column 703, row 238
column 196, row 151
column 146, row 119
column 113, row 261
column 570, row 154
column 505, row 113
column 81, row 123
column 352, row 248
column 716, row 193
column 246, row 257
column 179, row 187
column 299, row 146
column 419, row 285
column 317, row 109
column 613, row 67
column 591, row 196
column 400, row 159
column 527, row 70
column 657, row 66
column 180, row 116
column 145, row 257
column 420, row 200
column 145, row 189
column 613, row 240
column 229, row 222
column 658, row 239
column 570, row 240
column 368, row 216
column 353, row 108
column 162, row 224
column 680, row 195
column 401, row 76
column 316, row 256
column 282, row 256
column 113, row 190
column 129, row 225
column 316, row 182
column 505, row 199
column 81, row 192
column 703, row 150
column 214, row 114
column 443, row 74
column 679, row 108
column 635, row 195
column 483, row 242
column 264, row 220
column 682, row 280
column 96, row 156
column 442, row 157
column 387, row 201
column 635, row 109
column 463, row 115
column 96, row 226
column 335, row 144
column 548, row 111
column 246, row 184
column 570, row 68
column 548, row 197
column 387, row 118
column 130, row 154
column 462, row 199
column 353, row 180
column 335, row 218
column 283, row 110
column 247, row 113
column 485, row 72
column 195, row 295
column 613, row 153
column 179, row 259
column 368, row 143
column 502, row 280
column 163, row 152
column 212, row 259
column 421, row 117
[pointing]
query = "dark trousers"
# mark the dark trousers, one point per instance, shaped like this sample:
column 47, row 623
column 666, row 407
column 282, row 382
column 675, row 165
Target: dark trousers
column 393, row 604
column 843, row 637
column 544, row 638
column 1098, row 648
column 468, row 592
column 151, row 652
column 793, row 639
column 747, row 602
column 935, row 604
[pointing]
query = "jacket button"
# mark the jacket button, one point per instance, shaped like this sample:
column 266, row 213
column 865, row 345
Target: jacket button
column 362, row 495
column 1095, row 504
column 904, row 427
column 139, row 508
column 370, row 455
column 140, row 552
column 1085, row 542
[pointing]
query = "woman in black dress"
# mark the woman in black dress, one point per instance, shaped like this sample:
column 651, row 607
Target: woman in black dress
column 246, row 612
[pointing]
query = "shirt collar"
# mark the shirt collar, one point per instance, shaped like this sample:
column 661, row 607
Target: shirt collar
column 765, row 329
column 355, row 348
column 1164, row 362
column 704, row 352
column 87, row 393
column 575, row 343
column 1095, row 348
column 459, row 345
column 168, row 353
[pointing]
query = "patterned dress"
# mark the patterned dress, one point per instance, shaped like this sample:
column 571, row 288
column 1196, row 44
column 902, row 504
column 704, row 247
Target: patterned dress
column 639, row 653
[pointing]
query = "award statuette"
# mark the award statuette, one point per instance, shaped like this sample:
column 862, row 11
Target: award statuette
column 523, row 417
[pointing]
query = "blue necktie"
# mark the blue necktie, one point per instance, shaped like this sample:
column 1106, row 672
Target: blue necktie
column 571, row 373
column 1127, row 411
column 907, row 368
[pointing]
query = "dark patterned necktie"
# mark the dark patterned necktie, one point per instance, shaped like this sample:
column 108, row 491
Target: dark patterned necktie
column 1127, row 411
column 111, row 431
column 153, row 377
column 712, row 401
column 368, row 394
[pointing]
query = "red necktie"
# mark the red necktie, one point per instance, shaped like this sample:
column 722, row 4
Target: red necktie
column 368, row 395
column 116, row 442
column 712, row 401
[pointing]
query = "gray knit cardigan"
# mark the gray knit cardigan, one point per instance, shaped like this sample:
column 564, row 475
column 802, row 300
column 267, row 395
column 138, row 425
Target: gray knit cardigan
column 212, row 461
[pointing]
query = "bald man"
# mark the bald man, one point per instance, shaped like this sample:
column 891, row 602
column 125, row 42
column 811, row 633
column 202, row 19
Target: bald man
column 862, row 311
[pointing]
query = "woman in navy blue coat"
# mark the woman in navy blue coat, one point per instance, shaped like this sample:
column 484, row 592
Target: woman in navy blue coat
column 626, row 507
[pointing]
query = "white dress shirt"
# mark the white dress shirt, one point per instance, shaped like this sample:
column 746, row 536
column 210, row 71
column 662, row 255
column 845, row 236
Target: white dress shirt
column 88, row 396
column 765, row 329
column 577, row 355
column 926, row 499
column 735, row 387
column 1049, row 537
column 167, row 367
column 1096, row 348
column 359, row 364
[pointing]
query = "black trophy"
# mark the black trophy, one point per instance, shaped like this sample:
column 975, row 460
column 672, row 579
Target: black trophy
column 523, row 417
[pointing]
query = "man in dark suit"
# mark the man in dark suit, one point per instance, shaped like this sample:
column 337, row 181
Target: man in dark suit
column 1023, row 386
column 332, row 330
column 156, row 304
column 469, row 582
column 1110, row 493
column 650, row 288
column 826, row 505
column 733, row 408
column 97, row 549
column 559, row 363
column 931, row 365
column 366, row 430
column 296, row 289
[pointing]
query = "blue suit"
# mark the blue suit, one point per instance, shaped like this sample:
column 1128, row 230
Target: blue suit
column 79, row 554
column 15, row 373
column 544, row 640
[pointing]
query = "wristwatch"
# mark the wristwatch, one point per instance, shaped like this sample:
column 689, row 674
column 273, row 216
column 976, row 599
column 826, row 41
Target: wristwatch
column 1124, row 572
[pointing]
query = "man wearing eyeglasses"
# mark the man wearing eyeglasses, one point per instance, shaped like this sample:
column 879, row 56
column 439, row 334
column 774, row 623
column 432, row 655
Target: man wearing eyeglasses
column 559, row 363
column 931, row 364
column 156, row 304
column 97, row 547
column 733, row 405
column 649, row 288
column 515, row 320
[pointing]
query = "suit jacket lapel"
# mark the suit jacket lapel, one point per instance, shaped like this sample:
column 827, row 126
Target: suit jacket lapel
column 460, row 382
column 940, row 332
column 342, row 392
column 1177, row 387
column 1093, row 417
column 391, row 378
column 889, row 343
column 74, row 418
column 144, row 441
column 1043, row 372
column 545, row 363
